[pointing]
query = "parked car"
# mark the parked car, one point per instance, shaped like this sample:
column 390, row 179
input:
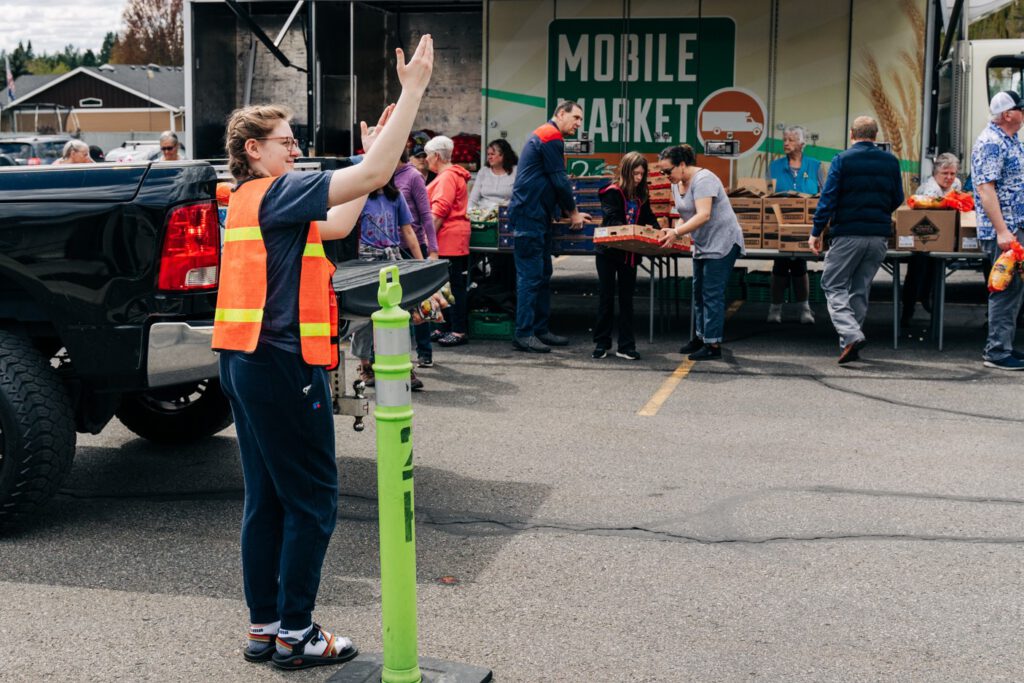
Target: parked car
column 7, row 160
column 37, row 150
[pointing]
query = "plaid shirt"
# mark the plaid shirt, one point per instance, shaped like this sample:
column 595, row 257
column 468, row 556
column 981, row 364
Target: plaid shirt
column 999, row 158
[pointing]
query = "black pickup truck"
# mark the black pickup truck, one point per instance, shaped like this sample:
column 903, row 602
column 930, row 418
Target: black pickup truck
column 108, row 284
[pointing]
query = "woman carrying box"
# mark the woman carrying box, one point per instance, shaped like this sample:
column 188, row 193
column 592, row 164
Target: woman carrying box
column 706, row 215
column 624, row 202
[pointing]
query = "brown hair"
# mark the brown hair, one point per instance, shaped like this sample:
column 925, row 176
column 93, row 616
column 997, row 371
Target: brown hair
column 629, row 163
column 248, row 123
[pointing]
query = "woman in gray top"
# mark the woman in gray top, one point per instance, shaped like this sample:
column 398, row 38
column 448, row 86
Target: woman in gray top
column 706, row 215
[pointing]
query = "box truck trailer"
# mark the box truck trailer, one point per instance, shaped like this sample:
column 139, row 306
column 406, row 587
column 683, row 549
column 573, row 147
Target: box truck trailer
column 648, row 73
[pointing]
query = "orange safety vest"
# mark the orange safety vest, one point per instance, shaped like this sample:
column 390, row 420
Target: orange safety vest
column 243, row 284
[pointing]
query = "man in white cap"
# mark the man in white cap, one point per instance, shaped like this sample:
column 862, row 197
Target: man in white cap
column 997, row 170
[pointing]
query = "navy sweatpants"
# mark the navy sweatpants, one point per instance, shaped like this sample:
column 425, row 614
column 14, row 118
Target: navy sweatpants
column 282, row 410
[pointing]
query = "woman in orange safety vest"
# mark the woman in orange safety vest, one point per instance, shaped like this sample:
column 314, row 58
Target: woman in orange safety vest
column 276, row 329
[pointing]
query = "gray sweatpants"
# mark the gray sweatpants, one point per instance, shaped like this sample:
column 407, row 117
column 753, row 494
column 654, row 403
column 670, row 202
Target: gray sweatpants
column 850, row 266
column 1002, row 311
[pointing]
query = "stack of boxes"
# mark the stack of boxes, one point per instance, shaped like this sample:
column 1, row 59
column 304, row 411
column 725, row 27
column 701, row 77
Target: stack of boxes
column 659, row 190
column 787, row 216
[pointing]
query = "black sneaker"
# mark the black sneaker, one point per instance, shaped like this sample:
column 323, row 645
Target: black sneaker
column 1019, row 355
column 628, row 355
column 707, row 352
column 599, row 353
column 424, row 362
column 695, row 344
column 415, row 383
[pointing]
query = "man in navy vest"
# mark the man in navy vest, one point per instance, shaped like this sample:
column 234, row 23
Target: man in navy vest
column 540, row 189
column 863, row 188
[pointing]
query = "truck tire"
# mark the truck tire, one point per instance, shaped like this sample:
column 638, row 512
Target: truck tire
column 37, row 430
column 178, row 414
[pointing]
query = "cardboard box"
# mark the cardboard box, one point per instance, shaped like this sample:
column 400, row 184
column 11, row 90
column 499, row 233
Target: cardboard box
column 926, row 229
column 639, row 239
column 751, row 235
column 770, row 237
column 793, row 236
column 748, row 209
column 660, row 194
column 749, row 187
column 785, row 210
column 967, row 235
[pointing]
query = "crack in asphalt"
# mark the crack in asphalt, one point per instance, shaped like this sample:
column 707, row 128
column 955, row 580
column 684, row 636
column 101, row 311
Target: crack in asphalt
column 468, row 524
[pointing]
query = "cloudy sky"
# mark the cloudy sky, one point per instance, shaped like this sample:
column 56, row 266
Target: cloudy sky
column 52, row 24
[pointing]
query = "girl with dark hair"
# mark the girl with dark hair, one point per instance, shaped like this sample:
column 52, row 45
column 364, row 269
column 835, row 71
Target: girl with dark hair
column 624, row 202
column 706, row 215
column 493, row 184
column 385, row 228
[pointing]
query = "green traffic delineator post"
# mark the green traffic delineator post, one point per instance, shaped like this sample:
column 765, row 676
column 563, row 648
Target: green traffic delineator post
column 396, row 512
column 393, row 414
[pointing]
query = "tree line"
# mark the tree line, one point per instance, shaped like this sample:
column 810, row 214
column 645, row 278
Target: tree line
column 153, row 33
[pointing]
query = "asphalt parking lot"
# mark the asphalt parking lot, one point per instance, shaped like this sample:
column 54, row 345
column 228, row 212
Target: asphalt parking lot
column 774, row 517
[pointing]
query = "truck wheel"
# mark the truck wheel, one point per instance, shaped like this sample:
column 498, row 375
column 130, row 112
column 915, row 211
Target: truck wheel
column 37, row 430
column 178, row 414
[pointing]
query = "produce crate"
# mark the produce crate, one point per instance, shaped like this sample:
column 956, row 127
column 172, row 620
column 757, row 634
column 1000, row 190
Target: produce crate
column 674, row 288
column 483, row 234
column 487, row 325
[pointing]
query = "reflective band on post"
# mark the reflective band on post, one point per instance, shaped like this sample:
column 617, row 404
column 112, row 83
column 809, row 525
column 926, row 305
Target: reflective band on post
column 239, row 315
column 393, row 393
column 390, row 342
column 242, row 234
column 315, row 329
column 313, row 250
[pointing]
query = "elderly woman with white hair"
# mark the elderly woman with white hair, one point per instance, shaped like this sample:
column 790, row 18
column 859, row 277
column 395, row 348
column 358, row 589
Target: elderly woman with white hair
column 449, row 198
column 793, row 172
column 170, row 147
column 917, row 287
column 75, row 152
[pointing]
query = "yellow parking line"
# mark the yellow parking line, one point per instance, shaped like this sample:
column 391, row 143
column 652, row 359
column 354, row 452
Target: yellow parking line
column 666, row 389
column 652, row 407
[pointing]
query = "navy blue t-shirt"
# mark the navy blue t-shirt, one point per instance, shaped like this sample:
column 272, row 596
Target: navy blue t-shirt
column 292, row 201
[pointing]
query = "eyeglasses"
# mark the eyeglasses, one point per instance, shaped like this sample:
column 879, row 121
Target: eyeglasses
column 168, row 149
column 288, row 142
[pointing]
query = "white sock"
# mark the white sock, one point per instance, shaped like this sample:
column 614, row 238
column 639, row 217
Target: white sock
column 775, row 308
column 806, row 305
column 265, row 629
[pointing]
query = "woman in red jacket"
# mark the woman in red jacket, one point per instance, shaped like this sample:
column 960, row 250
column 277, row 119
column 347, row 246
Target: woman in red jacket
column 448, row 200
column 624, row 202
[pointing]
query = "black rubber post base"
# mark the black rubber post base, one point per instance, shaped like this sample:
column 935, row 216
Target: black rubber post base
column 367, row 668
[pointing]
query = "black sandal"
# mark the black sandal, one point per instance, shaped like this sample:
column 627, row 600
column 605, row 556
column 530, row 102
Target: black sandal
column 298, row 659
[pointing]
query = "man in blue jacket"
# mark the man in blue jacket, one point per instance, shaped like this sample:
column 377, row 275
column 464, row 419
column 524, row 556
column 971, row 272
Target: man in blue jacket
column 541, row 187
column 863, row 188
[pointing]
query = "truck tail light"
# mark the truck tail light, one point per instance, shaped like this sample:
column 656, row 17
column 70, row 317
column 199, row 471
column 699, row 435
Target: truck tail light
column 191, row 254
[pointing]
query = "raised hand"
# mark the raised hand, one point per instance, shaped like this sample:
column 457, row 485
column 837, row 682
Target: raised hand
column 369, row 135
column 416, row 74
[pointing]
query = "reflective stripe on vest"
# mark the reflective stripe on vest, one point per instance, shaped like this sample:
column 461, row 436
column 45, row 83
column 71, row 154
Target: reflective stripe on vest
column 242, row 296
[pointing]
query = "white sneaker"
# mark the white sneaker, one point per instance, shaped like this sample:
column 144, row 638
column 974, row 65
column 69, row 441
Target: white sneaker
column 774, row 313
column 806, row 315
